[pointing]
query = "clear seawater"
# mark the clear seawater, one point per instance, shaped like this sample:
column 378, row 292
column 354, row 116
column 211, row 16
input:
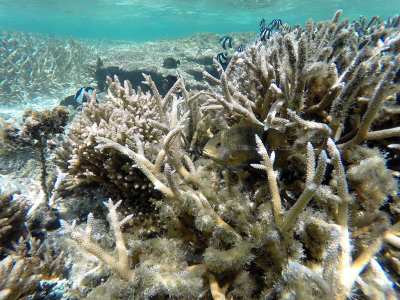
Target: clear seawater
column 149, row 20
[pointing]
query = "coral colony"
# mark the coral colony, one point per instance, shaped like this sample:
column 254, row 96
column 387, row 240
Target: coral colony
column 315, row 218
column 34, row 64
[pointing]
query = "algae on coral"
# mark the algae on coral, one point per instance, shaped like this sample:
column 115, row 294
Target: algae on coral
column 312, row 228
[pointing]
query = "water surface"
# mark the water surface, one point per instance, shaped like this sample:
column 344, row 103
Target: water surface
column 141, row 20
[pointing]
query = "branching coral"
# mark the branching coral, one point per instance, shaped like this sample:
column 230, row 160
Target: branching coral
column 24, row 260
column 156, row 273
column 30, row 262
column 36, row 65
column 311, row 228
column 12, row 217
column 126, row 117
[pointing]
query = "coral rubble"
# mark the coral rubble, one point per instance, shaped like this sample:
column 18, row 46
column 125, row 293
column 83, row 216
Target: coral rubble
column 319, row 226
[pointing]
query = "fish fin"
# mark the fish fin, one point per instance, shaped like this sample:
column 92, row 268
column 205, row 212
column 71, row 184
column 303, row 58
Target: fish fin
column 237, row 159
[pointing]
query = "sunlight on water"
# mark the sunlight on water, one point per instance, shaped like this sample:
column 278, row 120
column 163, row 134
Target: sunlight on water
column 152, row 20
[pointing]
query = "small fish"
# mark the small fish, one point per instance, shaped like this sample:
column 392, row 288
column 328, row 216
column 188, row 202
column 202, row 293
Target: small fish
column 77, row 99
column 168, row 82
column 274, row 24
column 99, row 63
column 265, row 34
column 80, row 96
column 221, row 58
column 224, row 40
column 171, row 63
column 241, row 48
column 235, row 148
column 262, row 24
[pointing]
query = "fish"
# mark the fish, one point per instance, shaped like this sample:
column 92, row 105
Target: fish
column 171, row 63
column 76, row 100
column 262, row 24
column 267, row 31
column 224, row 40
column 241, row 48
column 274, row 24
column 168, row 82
column 80, row 96
column 221, row 58
column 265, row 34
column 99, row 63
column 235, row 148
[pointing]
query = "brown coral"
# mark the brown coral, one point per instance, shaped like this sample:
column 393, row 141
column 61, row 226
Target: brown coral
column 30, row 262
column 12, row 217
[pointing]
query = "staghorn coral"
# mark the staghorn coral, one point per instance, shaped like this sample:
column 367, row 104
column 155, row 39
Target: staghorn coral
column 312, row 228
column 12, row 217
column 24, row 260
column 30, row 262
column 159, row 273
column 34, row 65
column 126, row 114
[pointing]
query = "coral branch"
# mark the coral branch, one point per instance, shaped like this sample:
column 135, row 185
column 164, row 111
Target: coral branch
column 383, row 134
column 323, row 128
column 216, row 292
column 268, row 167
column 120, row 265
column 342, row 188
column 385, row 89
column 143, row 164
column 308, row 192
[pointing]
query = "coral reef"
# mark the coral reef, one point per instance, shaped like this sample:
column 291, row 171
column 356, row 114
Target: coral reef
column 38, row 70
column 195, row 53
column 34, row 65
column 24, row 260
column 127, row 115
column 323, row 225
column 26, row 266
column 12, row 217
column 37, row 130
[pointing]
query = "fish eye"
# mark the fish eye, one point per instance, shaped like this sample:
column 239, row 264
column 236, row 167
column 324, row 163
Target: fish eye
column 218, row 145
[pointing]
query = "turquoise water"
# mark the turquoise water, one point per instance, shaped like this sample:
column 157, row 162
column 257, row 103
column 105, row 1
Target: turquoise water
column 141, row 20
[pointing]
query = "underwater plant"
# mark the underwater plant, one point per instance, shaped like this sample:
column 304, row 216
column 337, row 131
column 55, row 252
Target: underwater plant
column 313, row 219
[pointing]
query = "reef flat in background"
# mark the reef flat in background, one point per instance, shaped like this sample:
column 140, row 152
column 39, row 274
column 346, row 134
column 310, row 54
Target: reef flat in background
column 316, row 217
column 40, row 70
